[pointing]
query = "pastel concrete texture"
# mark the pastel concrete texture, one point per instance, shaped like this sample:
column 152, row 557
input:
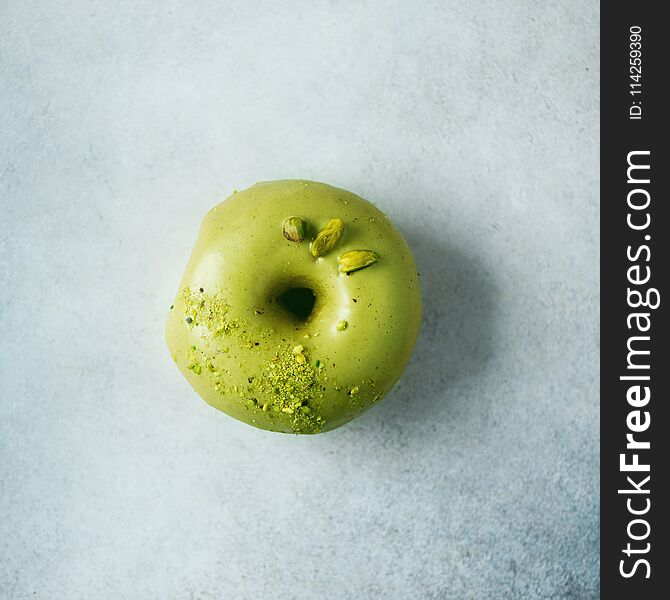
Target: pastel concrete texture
column 473, row 125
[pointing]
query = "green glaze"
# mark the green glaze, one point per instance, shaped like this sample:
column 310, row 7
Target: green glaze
column 248, row 355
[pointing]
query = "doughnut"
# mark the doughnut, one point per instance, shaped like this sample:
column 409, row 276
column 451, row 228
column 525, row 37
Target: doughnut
column 299, row 307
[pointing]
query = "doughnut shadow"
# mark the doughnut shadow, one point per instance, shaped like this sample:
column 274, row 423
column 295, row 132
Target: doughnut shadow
column 455, row 342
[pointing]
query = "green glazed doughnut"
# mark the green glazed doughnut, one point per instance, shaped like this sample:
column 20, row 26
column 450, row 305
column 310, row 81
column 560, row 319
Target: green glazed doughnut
column 299, row 307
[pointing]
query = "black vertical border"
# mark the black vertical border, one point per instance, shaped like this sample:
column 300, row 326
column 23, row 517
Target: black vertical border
column 619, row 136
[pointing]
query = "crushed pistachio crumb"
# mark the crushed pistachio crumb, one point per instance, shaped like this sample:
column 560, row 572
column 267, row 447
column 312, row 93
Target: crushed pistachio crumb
column 342, row 325
column 293, row 384
column 288, row 387
column 207, row 310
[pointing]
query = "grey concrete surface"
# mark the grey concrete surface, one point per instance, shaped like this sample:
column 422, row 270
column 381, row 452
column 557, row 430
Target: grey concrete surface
column 474, row 125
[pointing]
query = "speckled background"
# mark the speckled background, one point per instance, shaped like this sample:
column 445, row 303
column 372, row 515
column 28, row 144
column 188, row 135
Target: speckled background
column 474, row 125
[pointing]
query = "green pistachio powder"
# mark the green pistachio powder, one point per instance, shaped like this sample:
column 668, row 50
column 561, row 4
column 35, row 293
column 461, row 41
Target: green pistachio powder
column 288, row 383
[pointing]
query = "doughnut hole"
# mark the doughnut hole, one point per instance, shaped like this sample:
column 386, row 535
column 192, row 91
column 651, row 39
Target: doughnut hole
column 298, row 301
